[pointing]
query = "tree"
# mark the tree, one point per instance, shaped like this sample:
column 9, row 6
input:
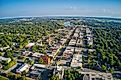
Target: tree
column 111, row 70
column 27, row 60
column 22, row 78
column 41, row 61
column 54, row 77
column 9, row 53
column 17, row 76
column 11, row 75
column 103, row 67
column 3, row 78
column 34, row 48
column 23, row 73
column 9, row 65
column 1, row 54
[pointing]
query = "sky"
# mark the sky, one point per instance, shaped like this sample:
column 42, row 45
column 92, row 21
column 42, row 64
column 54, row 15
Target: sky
column 16, row 8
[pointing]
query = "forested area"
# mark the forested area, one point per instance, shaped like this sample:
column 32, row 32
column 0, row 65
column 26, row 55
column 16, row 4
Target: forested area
column 18, row 34
column 23, row 32
column 107, row 45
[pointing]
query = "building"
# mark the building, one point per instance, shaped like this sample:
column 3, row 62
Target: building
column 37, row 55
column 22, row 68
column 79, row 42
column 78, row 49
column 77, row 60
column 3, row 59
column 68, row 52
column 26, row 53
column 39, row 65
column 62, row 41
column 72, row 42
column 30, row 45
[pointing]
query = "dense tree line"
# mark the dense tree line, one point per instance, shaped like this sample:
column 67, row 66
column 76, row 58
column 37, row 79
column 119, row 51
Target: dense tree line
column 24, row 31
column 107, row 45
column 72, row 75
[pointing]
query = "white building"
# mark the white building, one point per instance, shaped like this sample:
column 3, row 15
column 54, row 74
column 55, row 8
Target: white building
column 40, row 65
column 5, row 59
column 72, row 42
column 37, row 54
column 30, row 44
column 22, row 68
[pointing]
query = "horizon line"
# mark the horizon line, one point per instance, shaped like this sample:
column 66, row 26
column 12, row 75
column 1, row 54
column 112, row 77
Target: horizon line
column 59, row 16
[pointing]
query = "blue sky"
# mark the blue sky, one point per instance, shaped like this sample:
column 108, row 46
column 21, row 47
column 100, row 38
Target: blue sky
column 14, row 8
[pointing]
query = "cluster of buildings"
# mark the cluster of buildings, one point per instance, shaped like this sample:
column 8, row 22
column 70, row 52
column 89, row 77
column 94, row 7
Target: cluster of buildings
column 89, row 36
column 54, row 47
column 72, row 55
column 77, row 56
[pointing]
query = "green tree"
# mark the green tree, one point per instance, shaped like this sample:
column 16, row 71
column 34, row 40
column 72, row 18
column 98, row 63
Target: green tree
column 1, row 54
column 3, row 78
column 41, row 61
column 103, row 67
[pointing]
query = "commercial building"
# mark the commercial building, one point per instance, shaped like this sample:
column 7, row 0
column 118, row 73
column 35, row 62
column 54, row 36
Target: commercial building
column 22, row 68
column 77, row 60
